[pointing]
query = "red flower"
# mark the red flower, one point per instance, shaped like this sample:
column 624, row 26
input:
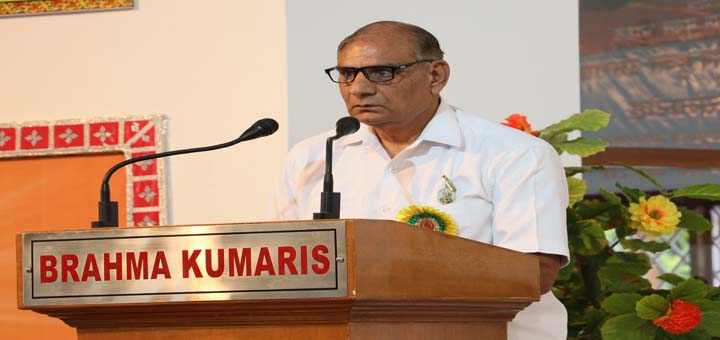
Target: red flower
column 681, row 318
column 518, row 121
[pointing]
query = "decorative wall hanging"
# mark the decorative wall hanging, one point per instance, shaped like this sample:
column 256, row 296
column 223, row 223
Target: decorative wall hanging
column 21, row 7
column 133, row 136
column 655, row 65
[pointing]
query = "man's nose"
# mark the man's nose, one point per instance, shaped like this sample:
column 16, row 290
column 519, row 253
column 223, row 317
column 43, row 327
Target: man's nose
column 361, row 86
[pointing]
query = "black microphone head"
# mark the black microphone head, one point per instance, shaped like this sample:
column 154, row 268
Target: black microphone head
column 267, row 125
column 346, row 125
column 261, row 128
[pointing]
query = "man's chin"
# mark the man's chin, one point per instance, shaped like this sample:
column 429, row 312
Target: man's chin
column 370, row 118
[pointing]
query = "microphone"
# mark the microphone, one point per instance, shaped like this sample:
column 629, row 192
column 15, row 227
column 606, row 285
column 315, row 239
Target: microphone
column 108, row 210
column 329, row 200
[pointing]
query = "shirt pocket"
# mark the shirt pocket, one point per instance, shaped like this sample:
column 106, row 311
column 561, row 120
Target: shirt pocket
column 470, row 210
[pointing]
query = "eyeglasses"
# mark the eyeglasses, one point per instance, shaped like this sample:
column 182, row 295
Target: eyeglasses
column 376, row 74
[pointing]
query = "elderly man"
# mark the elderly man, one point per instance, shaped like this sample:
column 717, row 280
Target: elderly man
column 499, row 185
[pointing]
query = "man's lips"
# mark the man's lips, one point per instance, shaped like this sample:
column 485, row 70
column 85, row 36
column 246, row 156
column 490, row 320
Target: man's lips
column 365, row 106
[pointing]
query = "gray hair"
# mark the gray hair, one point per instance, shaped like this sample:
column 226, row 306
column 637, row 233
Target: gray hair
column 426, row 45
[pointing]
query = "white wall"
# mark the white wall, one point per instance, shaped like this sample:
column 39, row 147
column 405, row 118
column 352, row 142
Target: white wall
column 509, row 56
column 213, row 68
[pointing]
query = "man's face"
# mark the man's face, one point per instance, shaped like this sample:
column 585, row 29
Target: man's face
column 388, row 105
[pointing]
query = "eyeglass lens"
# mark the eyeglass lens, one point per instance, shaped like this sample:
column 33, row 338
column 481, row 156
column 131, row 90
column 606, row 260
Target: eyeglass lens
column 372, row 73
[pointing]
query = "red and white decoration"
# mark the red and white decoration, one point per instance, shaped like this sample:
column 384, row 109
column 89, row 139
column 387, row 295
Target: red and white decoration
column 133, row 136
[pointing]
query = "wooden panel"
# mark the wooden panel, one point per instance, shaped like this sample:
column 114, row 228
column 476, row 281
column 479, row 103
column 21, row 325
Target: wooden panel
column 356, row 331
column 402, row 262
column 283, row 312
column 427, row 331
column 324, row 332
column 681, row 158
column 43, row 194
column 205, row 313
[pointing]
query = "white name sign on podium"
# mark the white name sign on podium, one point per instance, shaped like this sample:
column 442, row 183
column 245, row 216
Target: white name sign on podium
column 187, row 263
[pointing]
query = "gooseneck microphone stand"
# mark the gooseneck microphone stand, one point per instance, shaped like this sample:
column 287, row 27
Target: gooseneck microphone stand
column 329, row 200
column 108, row 210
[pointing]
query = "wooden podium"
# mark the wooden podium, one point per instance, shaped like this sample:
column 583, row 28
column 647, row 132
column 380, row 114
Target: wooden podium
column 377, row 280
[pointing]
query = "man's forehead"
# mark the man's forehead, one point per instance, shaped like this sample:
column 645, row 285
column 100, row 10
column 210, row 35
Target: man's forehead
column 376, row 49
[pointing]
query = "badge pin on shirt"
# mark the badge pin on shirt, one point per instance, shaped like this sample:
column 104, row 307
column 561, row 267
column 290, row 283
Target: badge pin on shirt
column 447, row 194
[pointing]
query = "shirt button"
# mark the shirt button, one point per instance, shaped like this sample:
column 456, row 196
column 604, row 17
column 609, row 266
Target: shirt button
column 394, row 170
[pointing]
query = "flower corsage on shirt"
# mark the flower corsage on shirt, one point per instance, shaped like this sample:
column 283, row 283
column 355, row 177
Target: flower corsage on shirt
column 428, row 217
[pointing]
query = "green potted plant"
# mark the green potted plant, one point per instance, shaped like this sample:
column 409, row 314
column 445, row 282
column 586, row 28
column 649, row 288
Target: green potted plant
column 604, row 287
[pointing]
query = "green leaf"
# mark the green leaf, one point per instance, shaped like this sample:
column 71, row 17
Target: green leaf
column 621, row 303
column 713, row 292
column 588, row 120
column 645, row 175
column 594, row 318
column 591, row 238
column 633, row 195
column 574, row 170
column 583, row 147
column 651, row 246
column 691, row 220
column 623, row 272
column 708, row 306
column 625, row 264
column 591, row 208
column 577, row 189
column 689, row 290
column 555, row 139
column 627, row 326
column 610, row 197
column 696, row 334
column 672, row 279
column 651, row 307
column 710, row 322
column 622, row 230
column 708, row 191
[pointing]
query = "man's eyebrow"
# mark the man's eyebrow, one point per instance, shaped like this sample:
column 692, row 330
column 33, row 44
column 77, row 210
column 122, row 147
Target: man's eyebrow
column 378, row 65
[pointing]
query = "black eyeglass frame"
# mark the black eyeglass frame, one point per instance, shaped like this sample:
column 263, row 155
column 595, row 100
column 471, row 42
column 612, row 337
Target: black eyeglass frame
column 394, row 68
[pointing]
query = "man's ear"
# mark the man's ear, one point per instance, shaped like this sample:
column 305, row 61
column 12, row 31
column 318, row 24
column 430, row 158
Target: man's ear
column 439, row 72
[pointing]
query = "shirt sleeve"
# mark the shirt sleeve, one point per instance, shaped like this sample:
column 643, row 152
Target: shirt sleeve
column 530, row 196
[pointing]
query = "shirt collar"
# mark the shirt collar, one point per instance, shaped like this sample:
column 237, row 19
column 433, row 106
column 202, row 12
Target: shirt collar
column 443, row 128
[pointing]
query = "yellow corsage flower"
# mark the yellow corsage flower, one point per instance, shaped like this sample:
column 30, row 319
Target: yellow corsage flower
column 428, row 218
column 655, row 216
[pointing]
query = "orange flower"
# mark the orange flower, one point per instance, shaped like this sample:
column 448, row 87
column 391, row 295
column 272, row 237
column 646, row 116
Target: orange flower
column 681, row 318
column 518, row 121
column 655, row 216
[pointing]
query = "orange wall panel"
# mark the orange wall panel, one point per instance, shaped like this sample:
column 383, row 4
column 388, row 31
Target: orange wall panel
column 44, row 194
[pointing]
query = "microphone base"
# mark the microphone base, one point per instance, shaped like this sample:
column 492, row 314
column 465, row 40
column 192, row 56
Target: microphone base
column 107, row 215
column 329, row 206
column 324, row 216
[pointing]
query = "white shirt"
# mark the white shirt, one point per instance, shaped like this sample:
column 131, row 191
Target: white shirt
column 511, row 191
